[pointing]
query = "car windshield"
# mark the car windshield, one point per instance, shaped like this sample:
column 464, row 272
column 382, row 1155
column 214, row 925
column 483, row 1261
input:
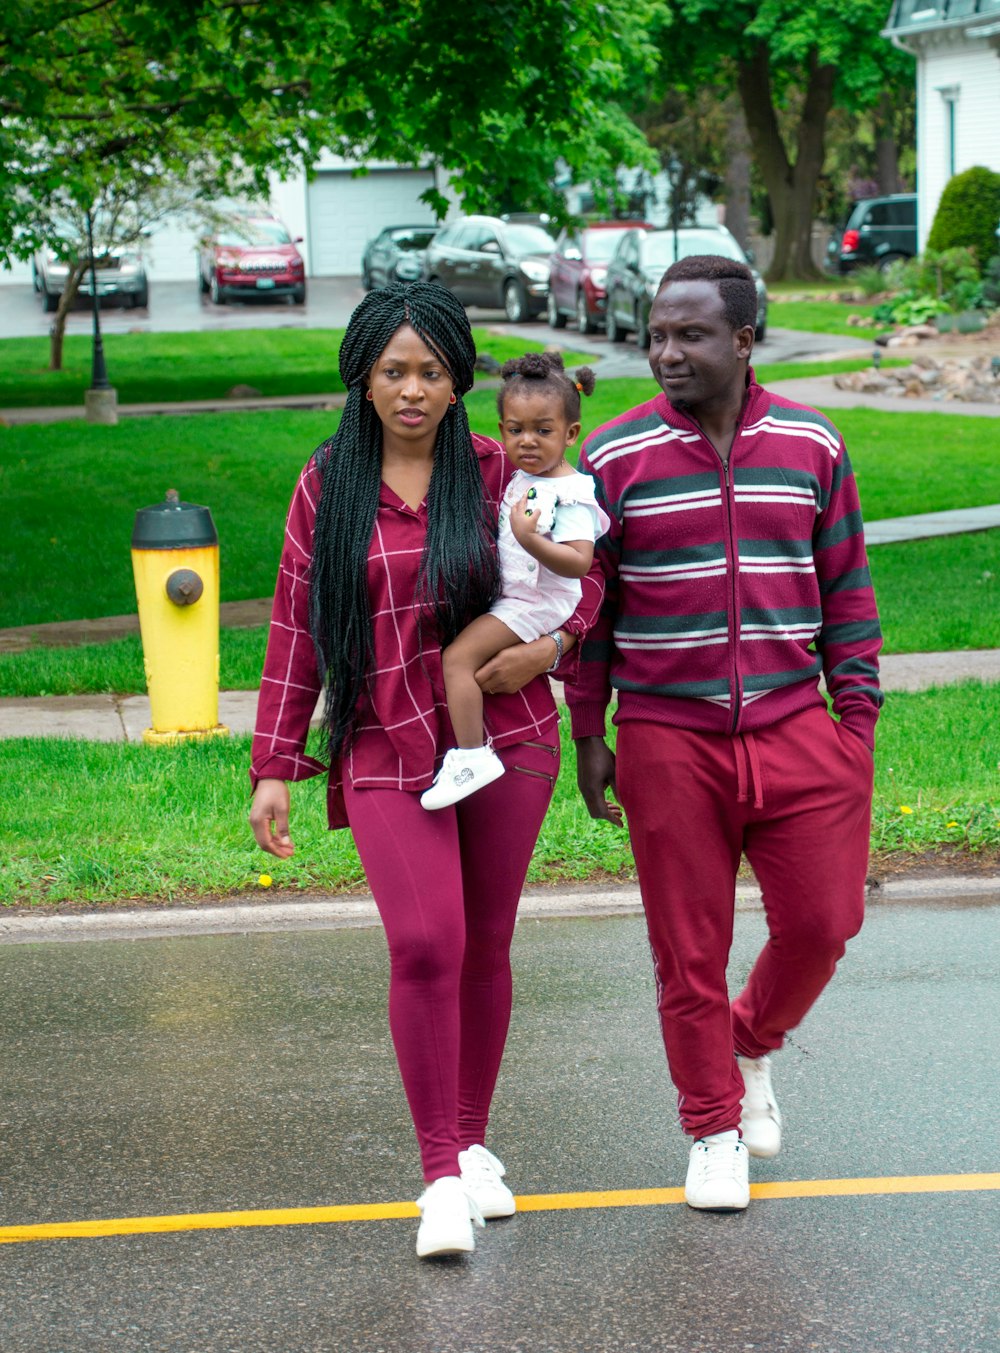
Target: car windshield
column 601, row 244
column 658, row 247
column 254, row 233
column 413, row 239
column 528, row 239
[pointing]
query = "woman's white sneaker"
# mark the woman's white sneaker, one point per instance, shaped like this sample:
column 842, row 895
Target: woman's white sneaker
column 760, row 1122
column 447, row 1214
column 718, row 1174
column 463, row 771
column 482, row 1175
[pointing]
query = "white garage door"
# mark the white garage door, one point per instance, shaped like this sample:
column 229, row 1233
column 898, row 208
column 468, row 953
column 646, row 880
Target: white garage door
column 345, row 213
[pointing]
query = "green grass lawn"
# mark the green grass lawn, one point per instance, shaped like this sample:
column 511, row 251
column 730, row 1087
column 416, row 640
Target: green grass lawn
column 958, row 609
column 71, row 490
column 175, row 827
column 824, row 317
column 146, row 367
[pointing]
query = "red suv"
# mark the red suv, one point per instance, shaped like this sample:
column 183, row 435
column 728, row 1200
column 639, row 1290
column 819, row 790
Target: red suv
column 579, row 266
column 251, row 256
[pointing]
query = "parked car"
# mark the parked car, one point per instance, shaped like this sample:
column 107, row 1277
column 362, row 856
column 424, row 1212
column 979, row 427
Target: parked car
column 490, row 262
column 251, row 256
column 396, row 254
column 120, row 273
column 579, row 265
column 878, row 232
column 641, row 259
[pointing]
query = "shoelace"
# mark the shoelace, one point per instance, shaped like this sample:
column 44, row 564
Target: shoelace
column 719, row 1164
column 481, row 1167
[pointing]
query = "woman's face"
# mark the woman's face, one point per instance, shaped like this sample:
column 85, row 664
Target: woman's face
column 411, row 391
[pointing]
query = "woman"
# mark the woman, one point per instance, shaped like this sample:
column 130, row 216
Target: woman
column 390, row 550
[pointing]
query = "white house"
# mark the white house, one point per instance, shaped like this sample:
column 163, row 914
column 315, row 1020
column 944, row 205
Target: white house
column 957, row 47
column 336, row 212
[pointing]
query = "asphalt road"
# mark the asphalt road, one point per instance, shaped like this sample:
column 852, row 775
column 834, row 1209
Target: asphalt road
column 178, row 307
column 171, row 1077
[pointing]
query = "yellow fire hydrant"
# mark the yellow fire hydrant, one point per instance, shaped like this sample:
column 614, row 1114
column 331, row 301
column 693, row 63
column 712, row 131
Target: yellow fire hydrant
column 175, row 560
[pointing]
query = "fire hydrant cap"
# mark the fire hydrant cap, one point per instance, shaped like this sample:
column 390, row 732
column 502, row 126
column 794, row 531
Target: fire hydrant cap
column 173, row 525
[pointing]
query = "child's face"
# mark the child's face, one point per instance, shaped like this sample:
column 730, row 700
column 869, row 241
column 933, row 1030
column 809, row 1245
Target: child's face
column 535, row 431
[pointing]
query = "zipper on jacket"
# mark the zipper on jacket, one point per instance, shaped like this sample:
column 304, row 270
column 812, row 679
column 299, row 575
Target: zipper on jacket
column 734, row 611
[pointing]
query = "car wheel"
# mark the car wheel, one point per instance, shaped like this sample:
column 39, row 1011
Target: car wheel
column 366, row 279
column 215, row 291
column 760, row 333
column 202, row 284
column 615, row 333
column 50, row 302
column 299, row 296
column 583, row 321
column 515, row 302
column 887, row 260
column 140, row 299
column 557, row 320
column 642, row 328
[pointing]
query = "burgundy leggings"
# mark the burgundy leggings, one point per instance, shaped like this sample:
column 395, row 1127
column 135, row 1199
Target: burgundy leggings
column 447, row 885
column 796, row 797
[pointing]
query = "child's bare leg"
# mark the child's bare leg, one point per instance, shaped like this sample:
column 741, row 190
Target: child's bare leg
column 481, row 640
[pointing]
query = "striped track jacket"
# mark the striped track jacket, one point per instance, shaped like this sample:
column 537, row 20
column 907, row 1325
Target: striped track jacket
column 730, row 585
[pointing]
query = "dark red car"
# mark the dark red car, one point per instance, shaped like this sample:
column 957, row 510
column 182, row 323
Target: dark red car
column 251, row 256
column 579, row 266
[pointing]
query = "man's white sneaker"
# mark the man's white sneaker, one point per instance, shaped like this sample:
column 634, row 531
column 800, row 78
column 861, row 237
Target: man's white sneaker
column 463, row 771
column 718, row 1175
column 760, row 1124
column 482, row 1175
column 447, row 1214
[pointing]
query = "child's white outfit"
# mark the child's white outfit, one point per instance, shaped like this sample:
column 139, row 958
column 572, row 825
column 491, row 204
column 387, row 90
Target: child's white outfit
column 534, row 600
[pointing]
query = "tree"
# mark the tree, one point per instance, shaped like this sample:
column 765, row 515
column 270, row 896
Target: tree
column 814, row 53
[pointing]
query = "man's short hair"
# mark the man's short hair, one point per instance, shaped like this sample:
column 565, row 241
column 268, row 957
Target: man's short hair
column 734, row 282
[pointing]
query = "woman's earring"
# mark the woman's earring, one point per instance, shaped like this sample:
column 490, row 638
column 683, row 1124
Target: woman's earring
column 453, row 398
column 368, row 393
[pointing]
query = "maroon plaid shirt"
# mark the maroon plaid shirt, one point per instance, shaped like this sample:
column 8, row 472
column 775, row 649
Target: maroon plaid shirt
column 404, row 726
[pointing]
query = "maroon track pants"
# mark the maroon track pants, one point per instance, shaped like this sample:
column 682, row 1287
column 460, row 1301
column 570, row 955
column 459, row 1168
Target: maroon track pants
column 447, row 885
column 796, row 798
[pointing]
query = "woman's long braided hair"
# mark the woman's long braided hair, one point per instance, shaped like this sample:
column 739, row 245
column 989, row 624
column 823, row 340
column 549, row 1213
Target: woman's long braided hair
column 459, row 574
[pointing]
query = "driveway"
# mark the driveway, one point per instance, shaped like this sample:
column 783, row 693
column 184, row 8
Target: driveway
column 178, row 307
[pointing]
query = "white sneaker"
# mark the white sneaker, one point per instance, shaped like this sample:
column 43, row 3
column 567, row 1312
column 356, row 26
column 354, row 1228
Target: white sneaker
column 482, row 1175
column 463, row 771
column 760, row 1124
column 718, row 1174
column 447, row 1213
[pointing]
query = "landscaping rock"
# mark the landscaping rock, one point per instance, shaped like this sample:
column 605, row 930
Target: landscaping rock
column 970, row 380
column 243, row 392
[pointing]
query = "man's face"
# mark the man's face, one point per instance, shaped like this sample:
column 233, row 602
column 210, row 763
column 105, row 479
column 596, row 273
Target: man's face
column 695, row 357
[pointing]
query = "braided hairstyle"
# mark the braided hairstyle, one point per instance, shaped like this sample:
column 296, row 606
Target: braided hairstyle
column 459, row 573
column 545, row 371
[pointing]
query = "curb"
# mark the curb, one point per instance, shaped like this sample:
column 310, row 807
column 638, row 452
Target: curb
column 354, row 912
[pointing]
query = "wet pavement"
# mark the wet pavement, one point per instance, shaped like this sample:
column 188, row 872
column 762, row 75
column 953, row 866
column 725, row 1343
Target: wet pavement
column 170, row 1077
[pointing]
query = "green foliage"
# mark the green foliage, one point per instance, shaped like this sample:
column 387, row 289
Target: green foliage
column 871, row 280
column 938, row 282
column 968, row 214
column 991, row 283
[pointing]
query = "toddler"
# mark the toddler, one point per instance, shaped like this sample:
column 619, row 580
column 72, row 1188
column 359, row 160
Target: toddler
column 549, row 521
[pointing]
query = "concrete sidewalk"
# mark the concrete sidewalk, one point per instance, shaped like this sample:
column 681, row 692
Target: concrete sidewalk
column 113, row 718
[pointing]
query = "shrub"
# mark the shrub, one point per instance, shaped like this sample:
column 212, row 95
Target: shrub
column 991, row 283
column 968, row 214
column 871, row 281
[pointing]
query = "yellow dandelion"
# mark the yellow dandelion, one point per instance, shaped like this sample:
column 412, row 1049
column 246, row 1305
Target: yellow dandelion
column 951, row 824
column 905, row 808
column 265, row 880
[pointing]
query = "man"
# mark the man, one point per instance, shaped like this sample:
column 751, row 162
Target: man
column 736, row 574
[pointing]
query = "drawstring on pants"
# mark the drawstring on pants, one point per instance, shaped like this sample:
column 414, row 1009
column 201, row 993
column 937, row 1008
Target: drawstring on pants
column 748, row 768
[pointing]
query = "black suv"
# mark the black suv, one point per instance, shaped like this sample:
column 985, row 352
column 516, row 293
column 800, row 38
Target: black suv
column 493, row 263
column 879, row 231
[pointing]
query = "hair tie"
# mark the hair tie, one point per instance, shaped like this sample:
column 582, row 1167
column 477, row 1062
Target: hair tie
column 579, row 386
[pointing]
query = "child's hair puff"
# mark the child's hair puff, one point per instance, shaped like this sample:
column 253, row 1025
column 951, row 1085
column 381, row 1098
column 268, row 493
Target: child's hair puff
column 545, row 371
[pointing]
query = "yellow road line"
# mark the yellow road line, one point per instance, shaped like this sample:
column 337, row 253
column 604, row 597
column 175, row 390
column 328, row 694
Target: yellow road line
column 534, row 1202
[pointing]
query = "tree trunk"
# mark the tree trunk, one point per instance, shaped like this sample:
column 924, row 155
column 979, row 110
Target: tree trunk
column 738, row 164
column 886, row 150
column 791, row 187
column 58, row 330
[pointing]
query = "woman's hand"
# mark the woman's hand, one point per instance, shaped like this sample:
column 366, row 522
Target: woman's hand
column 514, row 667
column 269, row 818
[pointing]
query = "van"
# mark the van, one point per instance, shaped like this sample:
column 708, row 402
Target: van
column 878, row 232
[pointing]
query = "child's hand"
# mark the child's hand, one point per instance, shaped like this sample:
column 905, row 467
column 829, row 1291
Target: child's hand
column 524, row 519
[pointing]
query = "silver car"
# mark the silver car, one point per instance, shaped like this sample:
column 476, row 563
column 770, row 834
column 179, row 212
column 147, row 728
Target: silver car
column 119, row 272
